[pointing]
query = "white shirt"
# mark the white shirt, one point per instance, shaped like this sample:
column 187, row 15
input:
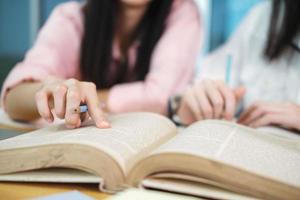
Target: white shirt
column 277, row 81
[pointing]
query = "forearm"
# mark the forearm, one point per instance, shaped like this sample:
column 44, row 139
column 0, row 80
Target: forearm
column 20, row 102
column 139, row 96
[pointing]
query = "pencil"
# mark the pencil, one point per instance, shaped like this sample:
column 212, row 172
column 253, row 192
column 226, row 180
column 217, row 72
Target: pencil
column 81, row 109
column 228, row 69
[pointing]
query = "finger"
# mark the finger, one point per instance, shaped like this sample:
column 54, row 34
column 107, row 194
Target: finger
column 185, row 114
column 239, row 93
column 257, row 110
column 255, row 114
column 91, row 98
column 59, row 95
column 247, row 112
column 230, row 101
column 267, row 119
column 42, row 102
column 206, row 109
column 72, row 118
column 215, row 98
column 192, row 104
column 84, row 117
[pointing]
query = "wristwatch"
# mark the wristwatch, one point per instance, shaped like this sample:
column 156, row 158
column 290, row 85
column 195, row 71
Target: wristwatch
column 173, row 106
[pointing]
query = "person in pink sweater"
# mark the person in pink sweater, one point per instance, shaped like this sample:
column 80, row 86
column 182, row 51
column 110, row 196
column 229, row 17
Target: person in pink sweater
column 130, row 55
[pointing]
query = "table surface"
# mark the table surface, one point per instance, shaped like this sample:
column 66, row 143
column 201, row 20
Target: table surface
column 14, row 190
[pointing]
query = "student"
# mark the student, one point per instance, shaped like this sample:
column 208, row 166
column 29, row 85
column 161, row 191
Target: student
column 133, row 54
column 264, row 76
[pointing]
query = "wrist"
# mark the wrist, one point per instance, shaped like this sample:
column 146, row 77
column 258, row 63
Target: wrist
column 173, row 107
column 50, row 80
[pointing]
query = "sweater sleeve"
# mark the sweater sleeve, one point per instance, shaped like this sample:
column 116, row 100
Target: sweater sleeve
column 237, row 47
column 55, row 52
column 171, row 68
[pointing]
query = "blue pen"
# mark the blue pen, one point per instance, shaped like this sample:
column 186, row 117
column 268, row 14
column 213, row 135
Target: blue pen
column 239, row 106
column 81, row 109
column 228, row 69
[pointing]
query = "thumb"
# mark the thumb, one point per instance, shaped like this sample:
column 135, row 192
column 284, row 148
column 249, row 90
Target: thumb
column 239, row 93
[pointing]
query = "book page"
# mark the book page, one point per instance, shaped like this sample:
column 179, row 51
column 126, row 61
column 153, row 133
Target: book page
column 7, row 123
column 248, row 149
column 52, row 175
column 141, row 194
column 194, row 188
column 281, row 133
column 131, row 137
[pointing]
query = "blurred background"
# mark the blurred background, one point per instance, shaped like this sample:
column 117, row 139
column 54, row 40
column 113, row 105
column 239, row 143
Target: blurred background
column 21, row 20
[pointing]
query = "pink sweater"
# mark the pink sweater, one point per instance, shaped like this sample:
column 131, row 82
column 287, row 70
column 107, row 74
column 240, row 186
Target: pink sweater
column 57, row 53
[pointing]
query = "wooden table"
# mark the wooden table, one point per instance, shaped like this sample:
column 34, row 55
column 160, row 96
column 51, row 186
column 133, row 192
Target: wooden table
column 14, row 191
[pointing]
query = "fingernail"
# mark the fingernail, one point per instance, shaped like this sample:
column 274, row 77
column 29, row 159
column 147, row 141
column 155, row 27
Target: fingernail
column 104, row 124
column 228, row 118
column 70, row 126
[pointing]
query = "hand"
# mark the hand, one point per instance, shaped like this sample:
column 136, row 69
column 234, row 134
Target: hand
column 209, row 99
column 260, row 114
column 64, row 97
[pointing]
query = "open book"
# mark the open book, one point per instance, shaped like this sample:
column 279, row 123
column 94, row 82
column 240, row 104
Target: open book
column 145, row 149
column 7, row 123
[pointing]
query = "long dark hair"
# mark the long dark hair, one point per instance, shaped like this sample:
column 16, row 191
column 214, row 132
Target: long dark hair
column 284, row 27
column 100, row 18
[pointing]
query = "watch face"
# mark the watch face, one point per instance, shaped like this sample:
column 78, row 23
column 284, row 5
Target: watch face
column 176, row 103
column 296, row 46
column 173, row 106
column 177, row 98
column 176, row 119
